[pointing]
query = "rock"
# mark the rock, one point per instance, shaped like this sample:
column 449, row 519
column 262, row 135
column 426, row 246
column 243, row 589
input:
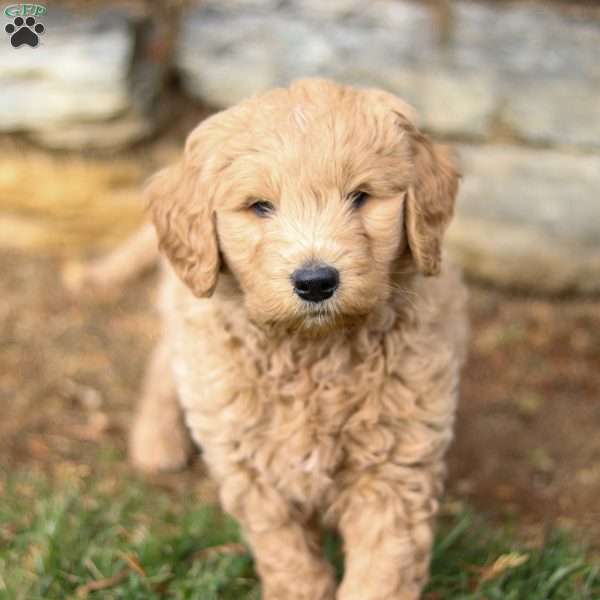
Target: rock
column 544, row 64
column 74, row 89
column 56, row 204
column 530, row 69
column 529, row 219
column 570, row 114
column 225, row 56
column 450, row 103
column 127, row 128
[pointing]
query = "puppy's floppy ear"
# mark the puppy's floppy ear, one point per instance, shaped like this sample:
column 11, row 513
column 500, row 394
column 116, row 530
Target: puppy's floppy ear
column 430, row 198
column 182, row 212
column 430, row 201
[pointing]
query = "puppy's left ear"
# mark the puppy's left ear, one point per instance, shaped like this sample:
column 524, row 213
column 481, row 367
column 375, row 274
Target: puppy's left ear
column 430, row 201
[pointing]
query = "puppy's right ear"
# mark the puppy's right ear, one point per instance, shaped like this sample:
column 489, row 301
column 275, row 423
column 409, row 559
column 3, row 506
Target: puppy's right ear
column 185, row 224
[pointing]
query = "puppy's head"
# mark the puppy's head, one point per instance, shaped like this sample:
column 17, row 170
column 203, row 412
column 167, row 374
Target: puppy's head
column 311, row 197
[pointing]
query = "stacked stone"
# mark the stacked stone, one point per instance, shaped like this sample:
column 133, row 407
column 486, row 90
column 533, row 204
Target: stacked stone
column 516, row 86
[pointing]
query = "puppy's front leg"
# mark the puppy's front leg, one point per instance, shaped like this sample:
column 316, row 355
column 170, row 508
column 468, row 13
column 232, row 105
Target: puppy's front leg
column 286, row 548
column 388, row 533
column 289, row 565
column 159, row 440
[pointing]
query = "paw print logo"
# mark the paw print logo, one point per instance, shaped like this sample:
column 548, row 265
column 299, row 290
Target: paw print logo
column 24, row 31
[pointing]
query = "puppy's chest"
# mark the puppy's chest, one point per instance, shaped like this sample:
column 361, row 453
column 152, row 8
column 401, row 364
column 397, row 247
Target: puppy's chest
column 296, row 413
column 298, row 443
column 312, row 416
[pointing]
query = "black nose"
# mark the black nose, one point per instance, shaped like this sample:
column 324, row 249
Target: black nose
column 315, row 283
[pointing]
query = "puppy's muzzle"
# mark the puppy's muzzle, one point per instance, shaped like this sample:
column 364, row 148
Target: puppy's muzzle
column 315, row 282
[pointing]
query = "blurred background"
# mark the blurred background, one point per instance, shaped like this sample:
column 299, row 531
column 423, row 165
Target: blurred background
column 107, row 97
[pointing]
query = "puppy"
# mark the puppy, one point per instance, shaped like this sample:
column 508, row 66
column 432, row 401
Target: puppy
column 312, row 334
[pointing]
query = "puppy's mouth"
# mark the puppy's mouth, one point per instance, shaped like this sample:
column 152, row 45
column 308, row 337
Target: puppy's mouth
column 313, row 321
column 328, row 307
column 316, row 317
column 326, row 317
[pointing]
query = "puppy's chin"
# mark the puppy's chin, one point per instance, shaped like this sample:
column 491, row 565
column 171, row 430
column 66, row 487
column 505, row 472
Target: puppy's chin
column 315, row 321
column 319, row 326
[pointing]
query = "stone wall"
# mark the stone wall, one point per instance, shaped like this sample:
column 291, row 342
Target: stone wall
column 515, row 85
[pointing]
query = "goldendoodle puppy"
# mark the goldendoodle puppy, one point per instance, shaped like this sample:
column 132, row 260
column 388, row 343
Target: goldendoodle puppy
column 315, row 358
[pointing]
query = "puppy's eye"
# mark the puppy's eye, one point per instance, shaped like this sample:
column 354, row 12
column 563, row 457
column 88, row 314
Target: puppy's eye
column 358, row 198
column 262, row 208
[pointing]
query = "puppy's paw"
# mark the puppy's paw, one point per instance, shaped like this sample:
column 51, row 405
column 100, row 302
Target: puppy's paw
column 156, row 447
column 316, row 585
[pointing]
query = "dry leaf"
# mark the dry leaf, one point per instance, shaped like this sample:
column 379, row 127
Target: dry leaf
column 223, row 550
column 102, row 584
column 503, row 563
column 134, row 563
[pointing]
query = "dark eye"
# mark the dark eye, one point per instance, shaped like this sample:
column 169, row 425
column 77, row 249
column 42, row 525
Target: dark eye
column 262, row 208
column 358, row 198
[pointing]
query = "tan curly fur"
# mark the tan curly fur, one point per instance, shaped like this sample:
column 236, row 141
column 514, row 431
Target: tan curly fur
column 335, row 414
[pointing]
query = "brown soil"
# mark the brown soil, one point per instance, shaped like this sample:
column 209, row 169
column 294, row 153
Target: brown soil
column 527, row 445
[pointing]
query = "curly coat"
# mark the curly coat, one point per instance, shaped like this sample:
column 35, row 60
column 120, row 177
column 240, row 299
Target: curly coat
column 333, row 415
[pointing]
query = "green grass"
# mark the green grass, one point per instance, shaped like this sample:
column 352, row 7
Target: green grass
column 56, row 538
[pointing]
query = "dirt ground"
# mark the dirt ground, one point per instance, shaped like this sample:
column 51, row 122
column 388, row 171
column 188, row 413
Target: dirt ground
column 527, row 448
